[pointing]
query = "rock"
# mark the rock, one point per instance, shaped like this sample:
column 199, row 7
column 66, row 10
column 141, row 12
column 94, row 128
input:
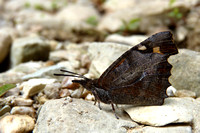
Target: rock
column 106, row 52
column 4, row 110
column 52, row 90
column 12, row 92
column 149, row 18
column 67, row 83
column 170, row 129
column 185, row 70
column 171, row 91
column 77, row 93
column 90, row 97
column 174, row 110
column 16, row 124
column 72, row 18
column 10, row 77
column 185, row 93
column 19, row 101
column 64, row 93
column 33, row 86
column 5, row 43
column 193, row 24
column 29, row 48
column 22, row 110
column 28, row 67
column 64, row 114
column 48, row 72
column 130, row 40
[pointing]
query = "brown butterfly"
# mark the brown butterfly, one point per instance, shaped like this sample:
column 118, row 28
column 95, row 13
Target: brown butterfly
column 137, row 77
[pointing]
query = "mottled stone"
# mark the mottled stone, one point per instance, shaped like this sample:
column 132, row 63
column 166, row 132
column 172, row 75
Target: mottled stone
column 4, row 110
column 19, row 101
column 22, row 110
column 29, row 48
column 75, row 115
column 185, row 93
column 16, row 124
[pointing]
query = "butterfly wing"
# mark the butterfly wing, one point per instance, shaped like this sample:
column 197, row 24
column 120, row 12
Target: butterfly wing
column 140, row 75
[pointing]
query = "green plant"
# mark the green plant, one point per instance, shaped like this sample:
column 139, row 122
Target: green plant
column 27, row 5
column 131, row 25
column 54, row 5
column 171, row 2
column 92, row 20
column 38, row 7
column 175, row 13
column 5, row 88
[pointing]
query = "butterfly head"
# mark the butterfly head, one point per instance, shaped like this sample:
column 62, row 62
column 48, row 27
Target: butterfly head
column 84, row 81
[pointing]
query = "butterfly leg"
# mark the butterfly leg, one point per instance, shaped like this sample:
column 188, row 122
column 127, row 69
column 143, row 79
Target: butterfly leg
column 96, row 99
column 114, row 110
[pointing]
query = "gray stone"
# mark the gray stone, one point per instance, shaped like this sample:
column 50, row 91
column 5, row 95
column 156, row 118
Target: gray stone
column 52, row 90
column 76, row 115
column 4, row 110
column 103, row 54
column 185, row 71
column 174, row 110
column 16, row 124
column 19, row 101
column 170, row 129
column 34, row 86
column 5, row 43
column 22, row 110
column 29, row 48
column 10, row 77
column 48, row 72
column 185, row 93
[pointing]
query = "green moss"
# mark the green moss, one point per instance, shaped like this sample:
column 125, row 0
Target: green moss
column 92, row 20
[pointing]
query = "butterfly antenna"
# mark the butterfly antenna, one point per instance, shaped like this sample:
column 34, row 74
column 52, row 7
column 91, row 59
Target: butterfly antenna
column 72, row 74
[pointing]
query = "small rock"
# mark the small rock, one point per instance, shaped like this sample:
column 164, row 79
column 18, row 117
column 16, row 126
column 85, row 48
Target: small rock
column 5, row 43
column 16, row 124
column 52, row 90
column 22, row 110
column 77, row 93
column 33, row 86
column 64, row 93
column 29, row 48
column 4, row 110
column 19, row 101
column 185, row 93
column 12, row 92
column 171, row 91
column 90, row 97
column 67, row 83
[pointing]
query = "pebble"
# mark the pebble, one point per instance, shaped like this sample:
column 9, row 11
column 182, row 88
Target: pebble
column 64, row 93
column 22, row 110
column 19, row 101
column 185, row 93
column 16, row 124
column 4, row 110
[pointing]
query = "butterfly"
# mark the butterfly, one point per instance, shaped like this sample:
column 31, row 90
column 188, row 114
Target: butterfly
column 137, row 77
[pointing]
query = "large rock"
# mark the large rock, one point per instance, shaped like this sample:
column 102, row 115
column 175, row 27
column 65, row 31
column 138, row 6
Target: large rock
column 185, row 71
column 76, row 115
column 29, row 48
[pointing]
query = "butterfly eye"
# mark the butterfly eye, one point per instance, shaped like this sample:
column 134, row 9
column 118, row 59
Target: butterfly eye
column 142, row 48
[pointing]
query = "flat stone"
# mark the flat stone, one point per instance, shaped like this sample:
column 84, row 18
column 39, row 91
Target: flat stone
column 22, row 110
column 19, row 101
column 16, row 124
column 33, row 86
column 174, row 110
column 170, row 129
column 4, row 110
column 76, row 115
